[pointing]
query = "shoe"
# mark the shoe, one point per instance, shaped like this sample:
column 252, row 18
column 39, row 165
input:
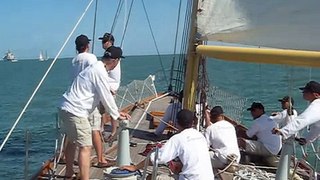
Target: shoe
column 110, row 160
column 106, row 165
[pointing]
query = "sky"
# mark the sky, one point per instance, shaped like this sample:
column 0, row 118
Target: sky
column 29, row 26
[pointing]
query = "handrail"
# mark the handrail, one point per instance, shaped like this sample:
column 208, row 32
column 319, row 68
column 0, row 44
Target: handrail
column 45, row 75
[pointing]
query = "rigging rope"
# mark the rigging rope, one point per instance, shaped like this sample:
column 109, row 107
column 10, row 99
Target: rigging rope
column 94, row 26
column 175, row 47
column 155, row 43
column 127, row 22
column 44, row 77
column 116, row 16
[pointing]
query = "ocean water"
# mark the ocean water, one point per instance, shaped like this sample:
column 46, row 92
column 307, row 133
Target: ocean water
column 256, row 82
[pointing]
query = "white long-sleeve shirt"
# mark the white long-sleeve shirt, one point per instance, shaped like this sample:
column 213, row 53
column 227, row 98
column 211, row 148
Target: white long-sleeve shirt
column 81, row 61
column 170, row 115
column 87, row 89
column 282, row 118
column 311, row 116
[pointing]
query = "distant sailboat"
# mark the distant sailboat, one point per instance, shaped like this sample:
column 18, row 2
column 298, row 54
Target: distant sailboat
column 43, row 56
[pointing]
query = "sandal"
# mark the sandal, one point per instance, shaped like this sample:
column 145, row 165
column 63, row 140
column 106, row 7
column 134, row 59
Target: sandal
column 106, row 165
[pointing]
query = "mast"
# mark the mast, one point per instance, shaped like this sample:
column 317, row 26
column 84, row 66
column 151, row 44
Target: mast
column 191, row 75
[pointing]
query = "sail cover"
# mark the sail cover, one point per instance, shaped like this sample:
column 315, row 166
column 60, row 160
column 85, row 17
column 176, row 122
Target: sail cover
column 287, row 24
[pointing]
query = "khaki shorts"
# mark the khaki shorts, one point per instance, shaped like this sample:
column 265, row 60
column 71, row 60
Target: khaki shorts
column 95, row 120
column 257, row 148
column 77, row 129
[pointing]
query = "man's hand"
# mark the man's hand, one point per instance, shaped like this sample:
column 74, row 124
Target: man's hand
column 124, row 116
column 276, row 131
column 301, row 141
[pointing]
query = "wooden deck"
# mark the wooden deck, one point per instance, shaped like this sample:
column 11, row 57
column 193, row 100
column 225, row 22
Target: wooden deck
column 139, row 134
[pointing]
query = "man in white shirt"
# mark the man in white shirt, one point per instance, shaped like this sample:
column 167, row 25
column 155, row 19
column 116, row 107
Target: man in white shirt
column 115, row 78
column 287, row 114
column 88, row 89
column 260, row 140
column 221, row 136
column 189, row 145
column 80, row 62
column 114, row 74
column 310, row 116
column 170, row 115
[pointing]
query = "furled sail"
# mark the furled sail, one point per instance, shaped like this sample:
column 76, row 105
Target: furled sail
column 287, row 24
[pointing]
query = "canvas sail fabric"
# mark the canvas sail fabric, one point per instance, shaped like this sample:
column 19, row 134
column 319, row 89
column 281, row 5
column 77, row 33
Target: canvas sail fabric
column 287, row 24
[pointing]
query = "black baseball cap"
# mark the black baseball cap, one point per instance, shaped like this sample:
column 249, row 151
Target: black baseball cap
column 256, row 105
column 312, row 86
column 113, row 52
column 217, row 110
column 287, row 99
column 82, row 40
column 107, row 37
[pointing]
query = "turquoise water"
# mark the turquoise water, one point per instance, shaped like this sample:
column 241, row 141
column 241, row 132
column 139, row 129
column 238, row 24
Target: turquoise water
column 263, row 83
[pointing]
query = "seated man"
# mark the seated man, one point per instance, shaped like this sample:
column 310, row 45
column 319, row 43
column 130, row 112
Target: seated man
column 170, row 115
column 217, row 129
column 287, row 114
column 260, row 140
column 189, row 145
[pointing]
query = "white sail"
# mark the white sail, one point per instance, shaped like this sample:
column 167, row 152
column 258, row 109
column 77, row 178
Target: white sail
column 43, row 56
column 288, row 24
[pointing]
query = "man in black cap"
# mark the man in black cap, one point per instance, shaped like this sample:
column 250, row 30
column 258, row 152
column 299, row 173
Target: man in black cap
column 79, row 63
column 107, row 40
column 217, row 129
column 260, row 139
column 310, row 116
column 115, row 78
column 287, row 114
column 88, row 89
column 84, row 58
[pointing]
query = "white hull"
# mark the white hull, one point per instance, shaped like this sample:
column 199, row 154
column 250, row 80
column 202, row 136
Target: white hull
column 9, row 56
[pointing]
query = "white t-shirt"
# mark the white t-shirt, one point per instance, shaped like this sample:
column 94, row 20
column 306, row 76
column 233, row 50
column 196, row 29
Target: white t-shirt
column 87, row 89
column 192, row 149
column 81, row 61
column 115, row 77
column 282, row 118
column 262, row 128
column 310, row 116
column 221, row 136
